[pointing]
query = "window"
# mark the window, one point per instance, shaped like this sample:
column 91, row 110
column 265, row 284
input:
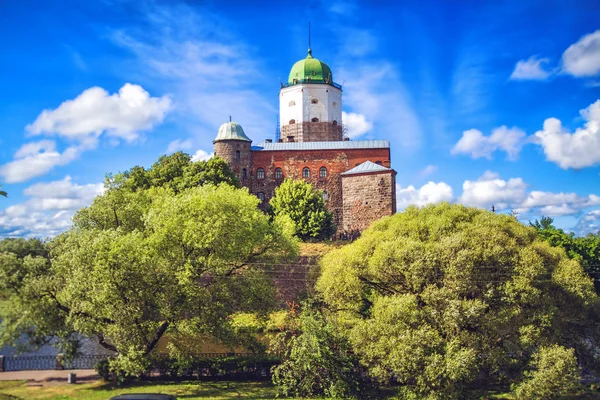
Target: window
column 292, row 121
column 244, row 173
column 334, row 104
column 314, row 101
column 292, row 103
column 260, row 173
column 278, row 173
column 378, row 163
column 334, row 122
column 238, row 155
column 323, row 172
column 325, row 195
column 314, row 120
column 261, row 196
column 305, row 172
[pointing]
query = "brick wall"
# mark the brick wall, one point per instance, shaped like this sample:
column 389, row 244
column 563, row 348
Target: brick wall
column 367, row 197
column 311, row 132
column 293, row 162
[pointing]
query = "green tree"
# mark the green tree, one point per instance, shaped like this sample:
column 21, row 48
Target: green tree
column 584, row 249
column 304, row 205
column 315, row 359
column 186, row 263
column 553, row 373
column 442, row 297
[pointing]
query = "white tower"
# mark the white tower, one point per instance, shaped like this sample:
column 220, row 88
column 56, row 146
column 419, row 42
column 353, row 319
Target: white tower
column 310, row 103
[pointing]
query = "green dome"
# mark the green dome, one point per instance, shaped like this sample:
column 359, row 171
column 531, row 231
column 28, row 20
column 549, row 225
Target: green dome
column 231, row 131
column 310, row 69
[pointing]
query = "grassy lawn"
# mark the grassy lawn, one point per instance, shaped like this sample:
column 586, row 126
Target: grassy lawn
column 13, row 390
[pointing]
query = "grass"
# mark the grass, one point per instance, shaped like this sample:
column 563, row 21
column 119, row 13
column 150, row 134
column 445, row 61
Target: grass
column 99, row 390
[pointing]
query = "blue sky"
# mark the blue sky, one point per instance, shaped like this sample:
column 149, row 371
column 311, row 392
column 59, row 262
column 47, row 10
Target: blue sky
column 485, row 103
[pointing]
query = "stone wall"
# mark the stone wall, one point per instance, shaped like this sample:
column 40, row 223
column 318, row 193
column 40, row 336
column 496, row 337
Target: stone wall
column 311, row 132
column 228, row 150
column 367, row 197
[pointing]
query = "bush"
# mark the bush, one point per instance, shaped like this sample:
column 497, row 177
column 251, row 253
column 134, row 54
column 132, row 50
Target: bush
column 103, row 369
column 554, row 373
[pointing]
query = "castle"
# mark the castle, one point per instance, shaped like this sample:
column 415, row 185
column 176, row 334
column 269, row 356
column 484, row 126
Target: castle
column 356, row 178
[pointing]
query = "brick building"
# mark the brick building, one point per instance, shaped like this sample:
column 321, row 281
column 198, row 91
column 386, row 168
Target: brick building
column 356, row 178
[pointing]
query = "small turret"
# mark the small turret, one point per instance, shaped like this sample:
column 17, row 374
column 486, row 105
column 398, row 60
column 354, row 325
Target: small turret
column 232, row 145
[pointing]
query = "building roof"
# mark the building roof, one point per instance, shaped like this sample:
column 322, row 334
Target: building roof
column 231, row 131
column 365, row 167
column 337, row 145
column 310, row 68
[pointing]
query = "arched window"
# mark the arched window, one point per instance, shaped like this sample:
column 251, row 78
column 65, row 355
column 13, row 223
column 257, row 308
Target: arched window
column 261, row 196
column 305, row 172
column 322, row 172
column 244, row 173
column 292, row 121
column 314, row 120
column 325, row 195
column 238, row 155
column 260, row 173
column 334, row 104
column 314, row 101
column 292, row 103
column 378, row 163
column 278, row 173
column 334, row 122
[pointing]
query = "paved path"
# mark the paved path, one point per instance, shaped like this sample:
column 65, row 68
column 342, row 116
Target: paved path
column 44, row 377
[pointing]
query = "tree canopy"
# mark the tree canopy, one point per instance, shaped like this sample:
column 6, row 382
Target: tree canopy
column 305, row 206
column 441, row 297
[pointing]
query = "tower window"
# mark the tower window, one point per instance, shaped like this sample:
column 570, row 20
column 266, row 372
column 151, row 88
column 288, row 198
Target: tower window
column 323, row 172
column 325, row 195
column 238, row 155
column 334, row 122
column 278, row 173
column 305, row 172
column 292, row 103
column 314, row 101
column 260, row 173
column 334, row 104
column 378, row 163
column 314, row 120
column 292, row 121
column 244, row 173
column 261, row 196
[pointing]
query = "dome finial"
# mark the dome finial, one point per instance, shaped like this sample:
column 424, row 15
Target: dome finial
column 309, row 49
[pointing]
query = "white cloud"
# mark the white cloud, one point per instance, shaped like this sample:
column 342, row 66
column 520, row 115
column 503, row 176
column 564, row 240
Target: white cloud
column 431, row 192
column 589, row 223
column 428, row 170
column 49, row 208
column 475, row 143
column 122, row 115
column 531, row 69
column 573, row 150
column 582, row 58
column 179, row 144
column 490, row 190
column 36, row 159
column 357, row 124
column 201, row 155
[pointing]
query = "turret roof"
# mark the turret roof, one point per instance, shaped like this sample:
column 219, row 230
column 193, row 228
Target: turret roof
column 231, row 131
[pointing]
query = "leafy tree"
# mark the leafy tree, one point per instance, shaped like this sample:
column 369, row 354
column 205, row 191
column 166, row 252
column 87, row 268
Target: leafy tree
column 304, row 205
column 176, row 172
column 315, row 359
column 554, row 373
column 585, row 249
column 443, row 297
column 177, row 263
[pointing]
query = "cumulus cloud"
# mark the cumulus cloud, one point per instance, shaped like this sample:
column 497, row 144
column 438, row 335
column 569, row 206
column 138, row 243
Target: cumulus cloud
column 476, row 144
column 582, row 58
column 589, row 223
column 431, row 192
column 36, row 159
column 530, row 69
column 572, row 150
column 490, row 190
column 121, row 115
column 48, row 209
column 177, row 145
column 201, row 155
column 356, row 124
